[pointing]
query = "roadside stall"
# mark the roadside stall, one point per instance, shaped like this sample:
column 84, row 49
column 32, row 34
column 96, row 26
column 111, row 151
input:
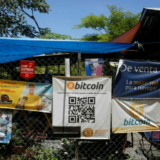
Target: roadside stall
column 27, row 67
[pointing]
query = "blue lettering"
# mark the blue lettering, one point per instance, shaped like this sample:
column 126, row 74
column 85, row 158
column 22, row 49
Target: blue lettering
column 132, row 122
column 125, row 122
column 136, row 122
column 140, row 122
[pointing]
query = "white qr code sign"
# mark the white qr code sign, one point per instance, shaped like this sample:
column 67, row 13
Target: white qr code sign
column 83, row 102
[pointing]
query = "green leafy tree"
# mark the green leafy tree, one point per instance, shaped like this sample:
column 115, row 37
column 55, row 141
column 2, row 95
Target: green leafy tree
column 51, row 35
column 109, row 27
column 13, row 17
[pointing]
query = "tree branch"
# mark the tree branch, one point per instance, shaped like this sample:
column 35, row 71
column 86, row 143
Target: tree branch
column 32, row 12
column 30, row 16
column 22, row 10
column 37, row 24
column 97, row 30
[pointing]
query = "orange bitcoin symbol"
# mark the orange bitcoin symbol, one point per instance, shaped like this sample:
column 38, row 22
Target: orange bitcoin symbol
column 70, row 85
column 88, row 132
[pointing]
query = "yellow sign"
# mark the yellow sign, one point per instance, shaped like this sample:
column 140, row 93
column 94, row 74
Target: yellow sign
column 25, row 95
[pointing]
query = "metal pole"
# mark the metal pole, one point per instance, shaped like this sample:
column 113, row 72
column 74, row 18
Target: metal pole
column 79, row 64
column 58, row 69
column 76, row 149
column 79, row 73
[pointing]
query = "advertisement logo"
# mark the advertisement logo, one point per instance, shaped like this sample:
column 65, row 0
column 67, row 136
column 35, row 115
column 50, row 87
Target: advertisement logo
column 100, row 61
column 5, row 99
column 83, row 85
column 87, row 132
column 136, row 110
column 70, row 85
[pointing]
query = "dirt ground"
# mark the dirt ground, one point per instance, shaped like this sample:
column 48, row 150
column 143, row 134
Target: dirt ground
column 139, row 148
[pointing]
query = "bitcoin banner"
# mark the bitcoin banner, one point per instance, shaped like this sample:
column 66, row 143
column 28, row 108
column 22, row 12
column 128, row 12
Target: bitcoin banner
column 135, row 115
column 81, row 107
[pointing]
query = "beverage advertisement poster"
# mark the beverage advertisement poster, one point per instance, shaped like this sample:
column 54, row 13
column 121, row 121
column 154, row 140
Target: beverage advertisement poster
column 135, row 115
column 94, row 67
column 26, row 95
column 81, row 107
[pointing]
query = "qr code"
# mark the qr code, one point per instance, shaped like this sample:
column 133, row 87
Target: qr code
column 81, row 110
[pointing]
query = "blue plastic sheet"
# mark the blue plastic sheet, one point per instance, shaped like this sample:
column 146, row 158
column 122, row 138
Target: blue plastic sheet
column 12, row 49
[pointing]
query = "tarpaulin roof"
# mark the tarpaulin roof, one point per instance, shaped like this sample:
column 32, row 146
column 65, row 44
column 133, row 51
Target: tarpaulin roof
column 128, row 36
column 12, row 49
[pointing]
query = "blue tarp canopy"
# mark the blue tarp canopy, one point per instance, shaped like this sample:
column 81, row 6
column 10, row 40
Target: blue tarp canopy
column 12, row 49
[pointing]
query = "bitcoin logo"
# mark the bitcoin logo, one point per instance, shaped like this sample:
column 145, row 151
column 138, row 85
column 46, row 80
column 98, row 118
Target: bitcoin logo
column 70, row 85
column 88, row 132
column 136, row 110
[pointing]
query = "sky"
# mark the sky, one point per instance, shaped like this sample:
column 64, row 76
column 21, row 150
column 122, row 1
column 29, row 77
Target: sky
column 65, row 14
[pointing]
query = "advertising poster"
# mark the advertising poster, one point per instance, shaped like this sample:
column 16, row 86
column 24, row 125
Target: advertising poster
column 27, row 69
column 94, row 67
column 25, row 95
column 81, row 107
column 137, row 79
column 5, row 126
column 135, row 115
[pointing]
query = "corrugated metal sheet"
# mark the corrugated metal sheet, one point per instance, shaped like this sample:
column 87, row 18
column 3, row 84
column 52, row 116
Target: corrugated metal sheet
column 148, row 34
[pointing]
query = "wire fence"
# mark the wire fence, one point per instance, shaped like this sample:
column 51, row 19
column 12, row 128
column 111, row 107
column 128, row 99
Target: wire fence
column 32, row 137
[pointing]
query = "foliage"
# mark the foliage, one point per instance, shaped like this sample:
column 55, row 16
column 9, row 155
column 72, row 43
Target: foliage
column 40, row 153
column 119, row 21
column 97, row 23
column 13, row 22
column 108, row 27
column 40, row 69
column 13, row 17
column 25, row 136
column 95, row 37
column 61, row 69
column 53, row 69
column 37, row 153
column 67, row 151
column 17, row 138
column 51, row 35
column 74, row 69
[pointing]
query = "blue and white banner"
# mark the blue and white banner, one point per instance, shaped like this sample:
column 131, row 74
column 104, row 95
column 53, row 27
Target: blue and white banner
column 137, row 79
